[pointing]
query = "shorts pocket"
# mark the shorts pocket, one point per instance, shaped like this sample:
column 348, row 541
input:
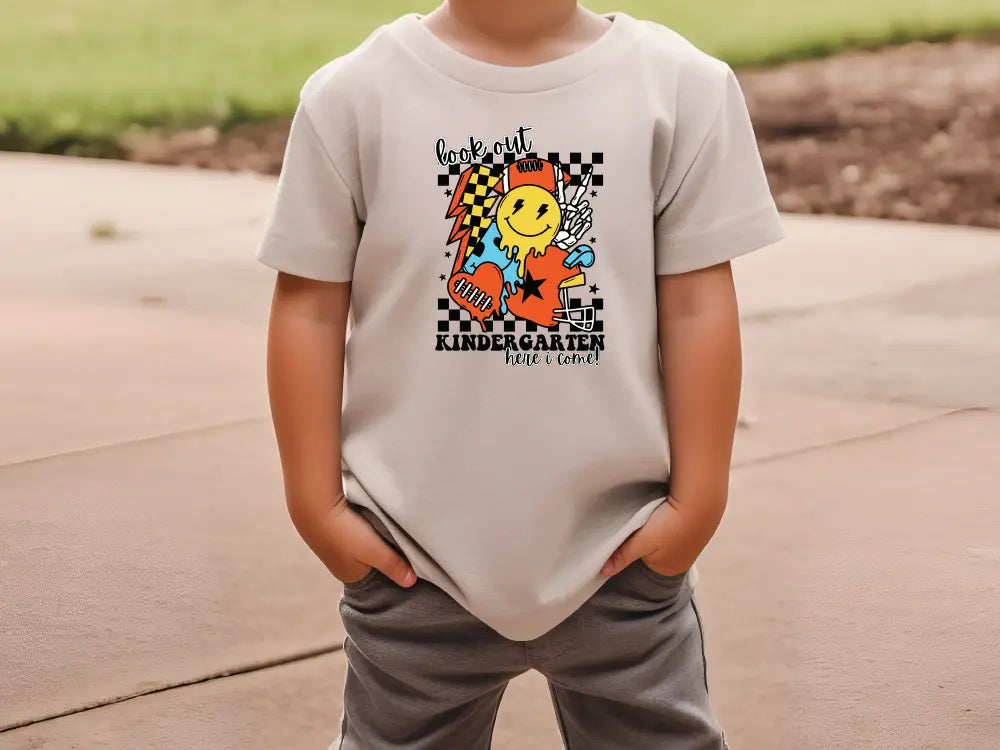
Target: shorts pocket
column 660, row 577
column 643, row 589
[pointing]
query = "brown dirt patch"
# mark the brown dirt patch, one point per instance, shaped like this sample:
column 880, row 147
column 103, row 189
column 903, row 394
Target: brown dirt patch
column 910, row 132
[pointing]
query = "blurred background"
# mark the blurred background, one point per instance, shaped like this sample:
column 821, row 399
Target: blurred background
column 908, row 133
column 153, row 593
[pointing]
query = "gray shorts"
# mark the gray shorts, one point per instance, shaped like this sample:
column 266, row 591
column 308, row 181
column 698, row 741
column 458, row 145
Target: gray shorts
column 626, row 671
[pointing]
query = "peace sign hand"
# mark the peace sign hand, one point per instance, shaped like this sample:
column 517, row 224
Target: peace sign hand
column 576, row 222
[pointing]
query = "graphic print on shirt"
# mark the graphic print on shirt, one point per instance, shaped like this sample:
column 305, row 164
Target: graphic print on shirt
column 521, row 253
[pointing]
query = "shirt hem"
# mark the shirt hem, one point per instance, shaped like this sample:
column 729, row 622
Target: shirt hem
column 763, row 227
column 283, row 261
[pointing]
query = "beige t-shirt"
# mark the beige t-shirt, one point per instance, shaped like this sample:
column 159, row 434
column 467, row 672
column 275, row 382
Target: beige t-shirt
column 503, row 228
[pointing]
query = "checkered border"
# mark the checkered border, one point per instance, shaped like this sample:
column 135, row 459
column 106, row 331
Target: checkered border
column 574, row 166
column 453, row 319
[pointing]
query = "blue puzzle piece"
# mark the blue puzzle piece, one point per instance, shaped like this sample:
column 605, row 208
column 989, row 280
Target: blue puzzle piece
column 488, row 250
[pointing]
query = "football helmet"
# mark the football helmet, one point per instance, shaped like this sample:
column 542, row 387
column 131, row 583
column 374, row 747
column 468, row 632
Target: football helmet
column 581, row 318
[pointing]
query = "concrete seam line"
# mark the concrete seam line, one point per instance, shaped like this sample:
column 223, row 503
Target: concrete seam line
column 258, row 667
column 137, row 441
column 806, row 309
column 859, row 438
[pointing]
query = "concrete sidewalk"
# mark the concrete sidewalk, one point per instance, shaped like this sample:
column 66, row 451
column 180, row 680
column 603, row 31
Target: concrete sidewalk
column 155, row 595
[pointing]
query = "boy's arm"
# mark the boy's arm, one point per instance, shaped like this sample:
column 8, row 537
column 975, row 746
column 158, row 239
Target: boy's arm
column 701, row 361
column 305, row 369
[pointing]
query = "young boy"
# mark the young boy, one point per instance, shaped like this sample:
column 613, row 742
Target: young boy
column 527, row 211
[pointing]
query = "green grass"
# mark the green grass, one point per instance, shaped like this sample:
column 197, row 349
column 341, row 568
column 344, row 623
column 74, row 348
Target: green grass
column 75, row 74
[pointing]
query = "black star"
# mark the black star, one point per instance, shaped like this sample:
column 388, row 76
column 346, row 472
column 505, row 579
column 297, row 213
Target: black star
column 531, row 287
column 593, row 240
column 442, row 277
column 593, row 193
column 447, row 255
column 594, row 288
column 447, row 192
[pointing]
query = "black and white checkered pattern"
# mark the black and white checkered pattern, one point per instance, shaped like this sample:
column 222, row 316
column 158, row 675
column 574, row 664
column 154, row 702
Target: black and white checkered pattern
column 573, row 163
column 453, row 319
column 576, row 167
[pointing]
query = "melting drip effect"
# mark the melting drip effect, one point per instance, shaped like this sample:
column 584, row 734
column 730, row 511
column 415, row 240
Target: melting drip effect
column 515, row 254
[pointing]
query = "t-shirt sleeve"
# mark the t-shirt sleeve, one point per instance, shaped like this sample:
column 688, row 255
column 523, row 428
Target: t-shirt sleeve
column 714, row 203
column 313, row 228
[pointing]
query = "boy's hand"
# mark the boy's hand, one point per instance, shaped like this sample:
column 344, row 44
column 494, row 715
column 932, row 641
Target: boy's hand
column 349, row 547
column 576, row 222
column 305, row 370
column 701, row 361
column 669, row 542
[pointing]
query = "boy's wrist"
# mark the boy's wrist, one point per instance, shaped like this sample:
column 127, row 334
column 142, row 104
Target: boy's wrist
column 686, row 529
column 672, row 538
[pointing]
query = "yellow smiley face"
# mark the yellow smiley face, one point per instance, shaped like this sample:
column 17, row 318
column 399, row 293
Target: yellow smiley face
column 528, row 217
